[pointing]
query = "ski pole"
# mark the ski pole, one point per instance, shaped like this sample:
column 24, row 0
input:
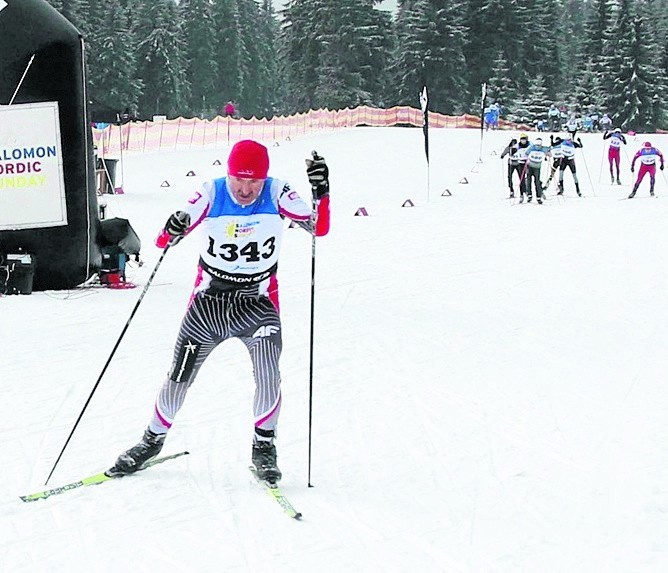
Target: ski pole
column 584, row 160
column 310, row 365
column 503, row 172
column 104, row 369
column 310, row 368
column 600, row 171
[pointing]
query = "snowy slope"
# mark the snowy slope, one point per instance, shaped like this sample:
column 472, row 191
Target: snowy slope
column 489, row 381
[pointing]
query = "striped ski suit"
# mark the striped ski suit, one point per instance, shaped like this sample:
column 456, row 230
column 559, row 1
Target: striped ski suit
column 236, row 292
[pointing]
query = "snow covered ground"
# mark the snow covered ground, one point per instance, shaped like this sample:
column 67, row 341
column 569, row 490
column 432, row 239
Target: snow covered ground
column 490, row 387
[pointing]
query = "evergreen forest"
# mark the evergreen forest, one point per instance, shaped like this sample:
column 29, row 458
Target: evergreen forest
column 188, row 58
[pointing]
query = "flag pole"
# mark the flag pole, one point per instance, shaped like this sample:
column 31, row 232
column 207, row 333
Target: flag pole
column 424, row 104
column 483, row 97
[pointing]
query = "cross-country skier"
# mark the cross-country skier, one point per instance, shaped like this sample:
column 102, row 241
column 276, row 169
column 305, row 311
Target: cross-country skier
column 553, row 117
column 568, row 146
column 555, row 149
column 514, row 165
column 594, row 119
column 648, row 154
column 605, row 122
column 572, row 125
column 236, row 292
column 536, row 153
column 616, row 140
column 489, row 118
column 522, row 148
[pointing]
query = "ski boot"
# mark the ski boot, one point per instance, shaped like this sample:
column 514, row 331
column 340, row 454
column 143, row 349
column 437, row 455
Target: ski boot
column 561, row 189
column 529, row 198
column 512, row 194
column 612, row 179
column 522, row 198
column 633, row 194
column 135, row 458
column 264, row 460
column 577, row 189
column 618, row 181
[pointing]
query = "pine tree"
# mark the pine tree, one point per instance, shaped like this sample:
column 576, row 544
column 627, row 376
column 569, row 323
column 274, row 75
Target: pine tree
column 635, row 87
column 444, row 62
column 598, row 43
column 332, row 53
column 272, row 81
column 161, row 60
column 569, row 24
column 655, row 18
column 202, row 68
column 112, row 65
column 536, row 99
column 407, row 62
column 587, row 94
column 500, row 87
column 495, row 25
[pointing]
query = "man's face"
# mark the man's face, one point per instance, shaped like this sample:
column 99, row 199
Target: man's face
column 245, row 191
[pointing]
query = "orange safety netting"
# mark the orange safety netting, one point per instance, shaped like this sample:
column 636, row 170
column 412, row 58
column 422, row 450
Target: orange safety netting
column 187, row 133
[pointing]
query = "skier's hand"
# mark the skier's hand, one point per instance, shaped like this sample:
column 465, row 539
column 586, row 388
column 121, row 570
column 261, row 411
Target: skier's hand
column 661, row 167
column 177, row 224
column 318, row 175
column 632, row 169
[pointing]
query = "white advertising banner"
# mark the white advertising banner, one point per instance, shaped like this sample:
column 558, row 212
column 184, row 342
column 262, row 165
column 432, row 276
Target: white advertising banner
column 32, row 187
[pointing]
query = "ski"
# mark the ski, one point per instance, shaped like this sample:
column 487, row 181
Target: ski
column 93, row 480
column 275, row 492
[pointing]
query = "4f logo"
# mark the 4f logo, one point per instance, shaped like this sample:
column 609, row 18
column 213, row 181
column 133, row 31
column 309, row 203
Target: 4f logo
column 265, row 331
column 187, row 361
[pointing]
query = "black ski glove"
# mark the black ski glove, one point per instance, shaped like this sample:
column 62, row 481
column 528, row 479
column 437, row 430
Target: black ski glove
column 661, row 168
column 177, row 224
column 318, row 175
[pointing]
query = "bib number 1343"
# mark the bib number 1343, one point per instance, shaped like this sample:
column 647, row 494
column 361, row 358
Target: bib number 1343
column 251, row 252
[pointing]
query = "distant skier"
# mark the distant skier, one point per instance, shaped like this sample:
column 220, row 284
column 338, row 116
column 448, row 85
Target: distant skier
column 230, row 110
column 588, row 123
column 616, row 140
column 568, row 146
column 496, row 114
column 553, row 117
column 236, row 291
column 536, row 153
column 488, row 118
column 572, row 125
column 605, row 122
column 648, row 154
column 514, row 166
column 595, row 120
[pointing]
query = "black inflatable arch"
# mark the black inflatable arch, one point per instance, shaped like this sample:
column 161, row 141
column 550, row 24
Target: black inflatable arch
column 66, row 255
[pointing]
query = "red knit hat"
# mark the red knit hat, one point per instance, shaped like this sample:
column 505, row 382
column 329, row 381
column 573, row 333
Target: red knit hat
column 248, row 160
